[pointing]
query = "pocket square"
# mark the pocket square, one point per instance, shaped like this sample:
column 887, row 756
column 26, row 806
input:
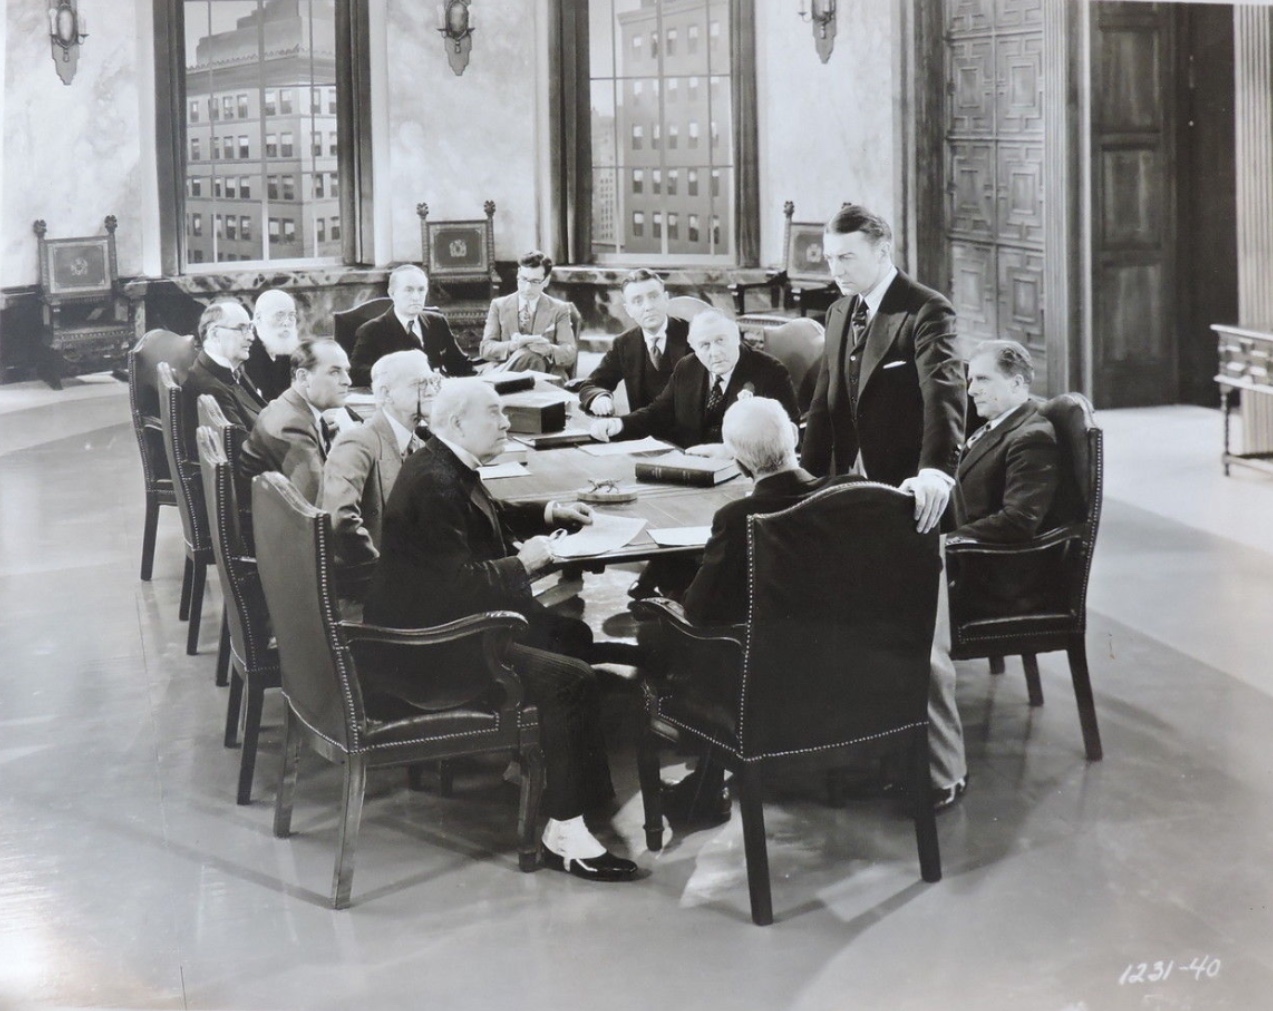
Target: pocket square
column 892, row 365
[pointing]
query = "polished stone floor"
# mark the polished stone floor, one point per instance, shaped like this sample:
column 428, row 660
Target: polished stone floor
column 130, row 879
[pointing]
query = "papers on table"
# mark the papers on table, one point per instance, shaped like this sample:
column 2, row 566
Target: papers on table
column 605, row 533
column 681, row 537
column 498, row 470
column 647, row 445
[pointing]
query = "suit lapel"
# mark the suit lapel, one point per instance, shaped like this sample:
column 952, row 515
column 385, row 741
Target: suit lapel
column 509, row 314
column 981, row 448
column 742, row 375
column 882, row 332
column 389, row 460
column 837, row 323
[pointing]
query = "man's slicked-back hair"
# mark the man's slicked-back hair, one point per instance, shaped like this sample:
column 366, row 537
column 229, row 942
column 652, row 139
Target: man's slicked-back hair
column 1010, row 357
column 856, row 218
column 760, row 435
column 711, row 320
column 638, row 276
column 401, row 269
column 213, row 315
column 536, row 258
column 306, row 354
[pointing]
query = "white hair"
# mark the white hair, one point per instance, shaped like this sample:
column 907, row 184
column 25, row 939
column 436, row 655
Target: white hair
column 710, row 321
column 393, row 368
column 760, row 435
column 454, row 399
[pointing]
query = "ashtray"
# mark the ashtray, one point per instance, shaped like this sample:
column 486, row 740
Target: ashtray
column 606, row 493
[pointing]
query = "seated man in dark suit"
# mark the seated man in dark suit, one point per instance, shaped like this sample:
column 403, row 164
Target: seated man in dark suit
column 528, row 329
column 291, row 436
column 270, row 360
column 364, row 462
column 691, row 407
column 406, row 325
column 641, row 358
column 1007, row 478
column 759, row 434
column 450, row 550
column 225, row 335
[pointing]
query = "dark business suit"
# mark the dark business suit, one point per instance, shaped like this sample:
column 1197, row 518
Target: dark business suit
column 271, row 375
column 287, row 439
column 240, row 401
column 386, row 334
column 719, row 593
column 445, row 553
column 628, row 361
column 362, row 466
column 679, row 415
column 909, row 410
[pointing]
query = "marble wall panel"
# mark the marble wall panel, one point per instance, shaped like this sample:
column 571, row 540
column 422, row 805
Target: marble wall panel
column 71, row 152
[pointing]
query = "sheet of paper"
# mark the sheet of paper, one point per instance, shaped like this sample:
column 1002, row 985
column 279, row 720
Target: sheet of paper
column 498, row 470
column 681, row 537
column 647, row 445
column 605, row 533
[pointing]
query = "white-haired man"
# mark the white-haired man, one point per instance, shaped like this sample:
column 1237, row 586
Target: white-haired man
column 364, row 461
column 449, row 550
column 270, row 358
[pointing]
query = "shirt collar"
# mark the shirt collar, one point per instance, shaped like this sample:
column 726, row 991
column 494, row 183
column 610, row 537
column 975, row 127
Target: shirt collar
column 406, row 321
column 461, row 454
column 223, row 362
column 318, row 415
column 724, row 379
column 994, row 423
column 875, row 296
column 660, row 337
column 528, row 303
column 400, row 432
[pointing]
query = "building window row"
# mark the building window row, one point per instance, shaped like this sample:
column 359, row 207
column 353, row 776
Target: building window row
column 669, row 38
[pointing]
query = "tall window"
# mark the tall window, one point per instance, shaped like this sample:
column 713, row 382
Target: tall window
column 268, row 67
column 647, row 110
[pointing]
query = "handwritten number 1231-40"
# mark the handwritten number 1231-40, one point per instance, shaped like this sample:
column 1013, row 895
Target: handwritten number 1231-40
column 1205, row 967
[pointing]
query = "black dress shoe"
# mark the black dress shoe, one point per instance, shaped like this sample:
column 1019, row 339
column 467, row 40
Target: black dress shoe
column 692, row 804
column 606, row 867
column 944, row 798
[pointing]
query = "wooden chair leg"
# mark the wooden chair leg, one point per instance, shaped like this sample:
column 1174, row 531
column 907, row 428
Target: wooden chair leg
column 651, row 796
column 233, row 709
column 446, row 778
column 350, row 819
column 1086, row 703
column 922, row 811
column 287, row 776
column 757, row 856
column 1032, row 683
column 997, row 665
column 415, row 777
column 187, row 578
column 149, row 533
column 532, row 763
column 251, row 734
column 223, row 652
column 197, row 583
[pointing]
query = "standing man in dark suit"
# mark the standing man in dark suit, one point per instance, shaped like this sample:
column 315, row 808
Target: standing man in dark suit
column 225, row 337
column 364, row 462
column 692, row 406
column 291, row 436
column 641, row 358
column 890, row 402
column 449, row 550
column 528, row 329
column 407, row 324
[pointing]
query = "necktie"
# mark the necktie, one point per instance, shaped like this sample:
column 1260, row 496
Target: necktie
column 976, row 435
column 523, row 317
column 859, row 321
column 656, row 355
column 715, row 395
column 327, row 433
column 415, row 332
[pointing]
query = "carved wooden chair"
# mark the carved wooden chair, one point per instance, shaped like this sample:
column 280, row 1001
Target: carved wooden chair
column 321, row 657
column 1047, row 609
column 833, row 661
column 802, row 285
column 143, row 403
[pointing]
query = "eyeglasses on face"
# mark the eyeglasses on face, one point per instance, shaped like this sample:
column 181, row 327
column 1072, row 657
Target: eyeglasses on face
column 242, row 329
column 533, row 281
column 279, row 318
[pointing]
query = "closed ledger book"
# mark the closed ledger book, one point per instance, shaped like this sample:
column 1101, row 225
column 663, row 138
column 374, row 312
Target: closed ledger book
column 508, row 382
column 681, row 468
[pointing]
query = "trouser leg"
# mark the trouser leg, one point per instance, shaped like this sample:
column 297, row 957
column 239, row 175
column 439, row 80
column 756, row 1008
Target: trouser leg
column 947, row 763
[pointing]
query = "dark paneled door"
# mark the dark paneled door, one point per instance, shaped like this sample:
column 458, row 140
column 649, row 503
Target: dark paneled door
column 1133, row 340
column 994, row 152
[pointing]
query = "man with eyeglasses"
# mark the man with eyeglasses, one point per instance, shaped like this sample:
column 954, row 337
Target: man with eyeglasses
column 528, row 330
column 270, row 357
column 364, row 462
column 225, row 335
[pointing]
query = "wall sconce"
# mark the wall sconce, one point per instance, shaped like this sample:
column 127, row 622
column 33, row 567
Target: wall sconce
column 822, row 15
column 67, row 29
column 457, row 33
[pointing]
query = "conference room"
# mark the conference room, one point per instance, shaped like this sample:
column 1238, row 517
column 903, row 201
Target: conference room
column 638, row 505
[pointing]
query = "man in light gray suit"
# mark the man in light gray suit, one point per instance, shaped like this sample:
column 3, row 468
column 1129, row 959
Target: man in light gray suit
column 528, row 329
column 364, row 462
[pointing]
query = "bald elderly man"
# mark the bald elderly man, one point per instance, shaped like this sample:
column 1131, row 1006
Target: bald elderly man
column 364, row 461
column 269, row 361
